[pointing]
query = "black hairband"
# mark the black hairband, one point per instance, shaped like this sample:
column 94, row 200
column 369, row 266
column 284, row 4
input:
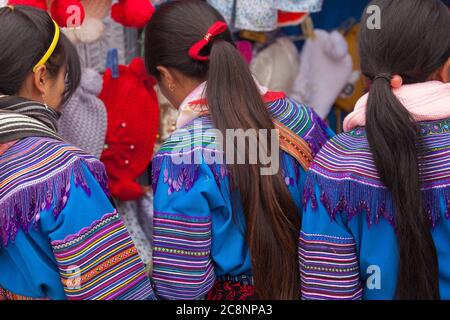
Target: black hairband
column 383, row 76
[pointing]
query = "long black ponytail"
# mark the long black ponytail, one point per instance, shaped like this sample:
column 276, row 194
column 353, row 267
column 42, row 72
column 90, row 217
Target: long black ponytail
column 413, row 42
column 234, row 102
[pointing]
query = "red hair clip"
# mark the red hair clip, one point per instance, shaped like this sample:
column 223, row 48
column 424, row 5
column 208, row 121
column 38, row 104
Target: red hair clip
column 216, row 29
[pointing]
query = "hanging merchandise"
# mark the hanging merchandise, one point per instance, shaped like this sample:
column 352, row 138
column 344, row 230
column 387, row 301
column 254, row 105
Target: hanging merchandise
column 83, row 119
column 246, row 49
column 93, row 55
column 132, row 13
column 286, row 19
column 133, row 117
column 334, row 12
column 299, row 5
column 325, row 67
column 132, row 44
column 112, row 62
column 40, row 4
column 355, row 87
column 67, row 13
column 255, row 15
column 277, row 66
column 64, row 12
column 257, row 37
column 167, row 120
column 261, row 15
column 92, row 27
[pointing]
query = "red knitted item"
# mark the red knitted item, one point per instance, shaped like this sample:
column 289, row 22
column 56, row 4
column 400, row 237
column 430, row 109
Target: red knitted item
column 132, row 13
column 228, row 290
column 63, row 13
column 40, row 4
column 133, row 118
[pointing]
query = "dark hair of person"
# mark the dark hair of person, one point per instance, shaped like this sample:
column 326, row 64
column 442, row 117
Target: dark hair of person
column 413, row 42
column 26, row 34
column 234, row 102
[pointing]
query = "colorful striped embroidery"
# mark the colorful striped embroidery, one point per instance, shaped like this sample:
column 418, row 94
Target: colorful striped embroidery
column 294, row 145
column 346, row 163
column 302, row 121
column 328, row 268
column 35, row 175
column 102, row 263
column 196, row 141
column 182, row 268
column 182, row 153
column 8, row 295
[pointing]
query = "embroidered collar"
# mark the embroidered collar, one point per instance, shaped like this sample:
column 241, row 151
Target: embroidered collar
column 195, row 104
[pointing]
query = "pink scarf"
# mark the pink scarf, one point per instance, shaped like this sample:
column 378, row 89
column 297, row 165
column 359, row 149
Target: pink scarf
column 426, row 101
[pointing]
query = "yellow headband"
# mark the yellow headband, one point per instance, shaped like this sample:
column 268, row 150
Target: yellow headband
column 50, row 50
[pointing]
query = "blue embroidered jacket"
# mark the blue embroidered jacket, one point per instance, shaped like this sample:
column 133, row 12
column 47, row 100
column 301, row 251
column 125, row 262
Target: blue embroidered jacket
column 61, row 238
column 348, row 246
column 197, row 239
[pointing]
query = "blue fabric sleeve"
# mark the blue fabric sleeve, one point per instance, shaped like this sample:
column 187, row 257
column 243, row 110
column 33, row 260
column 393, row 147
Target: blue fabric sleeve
column 327, row 255
column 182, row 264
column 29, row 268
column 90, row 205
column 94, row 253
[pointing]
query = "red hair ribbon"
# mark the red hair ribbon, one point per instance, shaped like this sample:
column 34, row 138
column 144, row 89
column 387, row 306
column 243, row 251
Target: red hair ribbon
column 216, row 29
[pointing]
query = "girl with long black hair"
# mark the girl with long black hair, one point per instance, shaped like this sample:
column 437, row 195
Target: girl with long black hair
column 377, row 218
column 223, row 229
